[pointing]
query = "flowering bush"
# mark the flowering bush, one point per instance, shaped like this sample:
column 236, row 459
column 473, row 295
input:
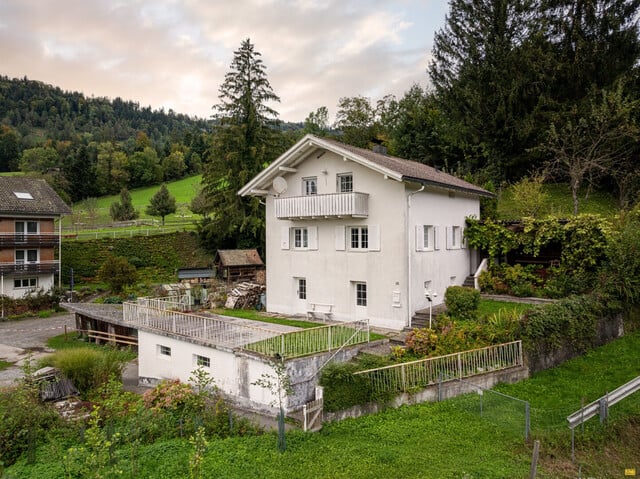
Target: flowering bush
column 421, row 341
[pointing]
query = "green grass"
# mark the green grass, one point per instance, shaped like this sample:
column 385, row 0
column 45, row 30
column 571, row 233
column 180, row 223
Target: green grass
column 72, row 341
column 4, row 364
column 183, row 190
column 559, row 202
column 490, row 306
column 431, row 440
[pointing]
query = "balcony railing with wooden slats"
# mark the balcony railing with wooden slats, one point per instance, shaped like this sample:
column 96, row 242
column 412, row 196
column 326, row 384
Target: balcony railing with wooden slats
column 28, row 240
column 334, row 205
column 39, row 267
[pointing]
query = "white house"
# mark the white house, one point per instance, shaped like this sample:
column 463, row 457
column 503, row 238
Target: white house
column 355, row 233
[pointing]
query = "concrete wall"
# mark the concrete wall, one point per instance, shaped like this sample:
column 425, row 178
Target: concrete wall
column 446, row 390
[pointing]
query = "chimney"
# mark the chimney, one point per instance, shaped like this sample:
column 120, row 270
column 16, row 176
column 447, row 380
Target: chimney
column 378, row 148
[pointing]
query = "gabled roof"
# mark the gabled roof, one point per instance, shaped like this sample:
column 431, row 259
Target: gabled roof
column 238, row 257
column 392, row 167
column 30, row 196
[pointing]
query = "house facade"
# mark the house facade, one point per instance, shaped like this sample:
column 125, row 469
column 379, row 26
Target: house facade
column 353, row 233
column 29, row 235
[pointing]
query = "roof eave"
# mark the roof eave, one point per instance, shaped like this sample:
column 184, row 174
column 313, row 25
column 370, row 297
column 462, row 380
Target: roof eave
column 479, row 192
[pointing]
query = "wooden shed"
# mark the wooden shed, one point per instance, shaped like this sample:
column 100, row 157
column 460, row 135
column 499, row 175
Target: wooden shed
column 235, row 265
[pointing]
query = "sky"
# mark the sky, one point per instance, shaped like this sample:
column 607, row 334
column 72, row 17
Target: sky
column 174, row 53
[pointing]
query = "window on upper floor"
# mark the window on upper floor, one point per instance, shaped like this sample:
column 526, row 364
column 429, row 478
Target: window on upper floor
column 426, row 238
column 164, row 350
column 26, row 256
column 345, row 183
column 454, row 237
column 300, row 238
column 28, row 227
column 359, row 237
column 310, row 186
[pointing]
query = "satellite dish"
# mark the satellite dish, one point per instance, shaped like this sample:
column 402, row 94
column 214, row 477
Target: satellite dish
column 279, row 184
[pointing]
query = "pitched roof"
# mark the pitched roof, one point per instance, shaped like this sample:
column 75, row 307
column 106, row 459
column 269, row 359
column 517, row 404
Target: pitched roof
column 391, row 166
column 239, row 257
column 29, row 196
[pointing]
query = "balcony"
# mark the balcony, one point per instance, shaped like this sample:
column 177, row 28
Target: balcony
column 25, row 240
column 40, row 267
column 336, row 205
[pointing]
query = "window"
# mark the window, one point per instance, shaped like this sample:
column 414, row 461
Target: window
column 25, row 283
column 428, row 237
column 345, row 183
column 361, row 294
column 310, row 186
column 359, row 237
column 23, row 195
column 455, row 236
column 29, row 227
column 202, row 361
column 26, row 255
column 300, row 238
column 164, row 350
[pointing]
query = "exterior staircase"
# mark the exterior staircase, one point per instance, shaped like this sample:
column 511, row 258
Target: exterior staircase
column 469, row 282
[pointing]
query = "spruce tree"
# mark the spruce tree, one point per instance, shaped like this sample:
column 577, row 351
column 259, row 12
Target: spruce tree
column 242, row 145
column 162, row 203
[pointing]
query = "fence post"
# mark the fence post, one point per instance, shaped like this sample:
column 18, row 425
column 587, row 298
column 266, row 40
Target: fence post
column 534, row 460
column 459, row 366
column 404, row 378
column 527, row 421
column 329, row 337
column 282, row 345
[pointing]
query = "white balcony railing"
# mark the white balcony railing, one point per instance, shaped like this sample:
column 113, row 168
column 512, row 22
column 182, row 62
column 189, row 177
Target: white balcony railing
column 323, row 206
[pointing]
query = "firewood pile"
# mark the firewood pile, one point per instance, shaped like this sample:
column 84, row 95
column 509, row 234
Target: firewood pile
column 244, row 295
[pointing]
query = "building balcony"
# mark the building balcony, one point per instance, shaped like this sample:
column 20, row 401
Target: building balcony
column 336, row 205
column 40, row 267
column 24, row 240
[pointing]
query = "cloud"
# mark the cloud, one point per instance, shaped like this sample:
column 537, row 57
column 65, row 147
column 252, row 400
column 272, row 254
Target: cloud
column 174, row 54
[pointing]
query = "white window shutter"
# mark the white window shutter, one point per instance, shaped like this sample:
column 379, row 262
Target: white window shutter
column 340, row 238
column 436, row 237
column 312, row 232
column 374, row 237
column 419, row 237
column 447, row 233
column 284, row 237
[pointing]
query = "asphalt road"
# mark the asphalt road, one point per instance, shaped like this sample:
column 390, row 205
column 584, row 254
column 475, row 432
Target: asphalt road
column 21, row 338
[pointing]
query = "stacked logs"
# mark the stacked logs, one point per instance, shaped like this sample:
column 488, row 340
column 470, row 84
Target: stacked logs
column 244, row 296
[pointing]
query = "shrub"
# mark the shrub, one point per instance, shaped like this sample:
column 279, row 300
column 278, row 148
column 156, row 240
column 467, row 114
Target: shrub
column 343, row 389
column 462, row 303
column 117, row 273
column 421, row 341
column 88, row 368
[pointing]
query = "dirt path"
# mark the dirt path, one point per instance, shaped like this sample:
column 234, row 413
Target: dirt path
column 21, row 338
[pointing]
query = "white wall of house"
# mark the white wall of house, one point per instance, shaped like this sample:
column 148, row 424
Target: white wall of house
column 442, row 259
column 8, row 286
column 394, row 269
column 162, row 357
column 330, row 267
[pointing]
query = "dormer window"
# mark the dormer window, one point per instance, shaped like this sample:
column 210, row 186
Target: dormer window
column 310, row 186
column 345, row 183
column 23, row 195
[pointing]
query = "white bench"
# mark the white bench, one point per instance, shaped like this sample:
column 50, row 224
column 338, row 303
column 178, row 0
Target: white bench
column 314, row 309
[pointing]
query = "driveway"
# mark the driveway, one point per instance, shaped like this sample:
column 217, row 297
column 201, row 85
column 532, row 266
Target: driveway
column 20, row 338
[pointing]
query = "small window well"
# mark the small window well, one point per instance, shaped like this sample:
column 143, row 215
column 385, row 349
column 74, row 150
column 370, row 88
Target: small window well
column 23, row 195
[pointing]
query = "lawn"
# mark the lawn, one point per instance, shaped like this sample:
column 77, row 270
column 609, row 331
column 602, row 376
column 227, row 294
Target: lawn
column 560, row 203
column 490, row 306
column 4, row 364
column 183, row 190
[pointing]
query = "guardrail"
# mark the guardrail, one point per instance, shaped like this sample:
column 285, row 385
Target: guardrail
column 424, row 372
column 601, row 406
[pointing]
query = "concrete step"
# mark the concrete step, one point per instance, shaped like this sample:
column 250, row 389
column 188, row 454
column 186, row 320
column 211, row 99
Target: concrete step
column 469, row 282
